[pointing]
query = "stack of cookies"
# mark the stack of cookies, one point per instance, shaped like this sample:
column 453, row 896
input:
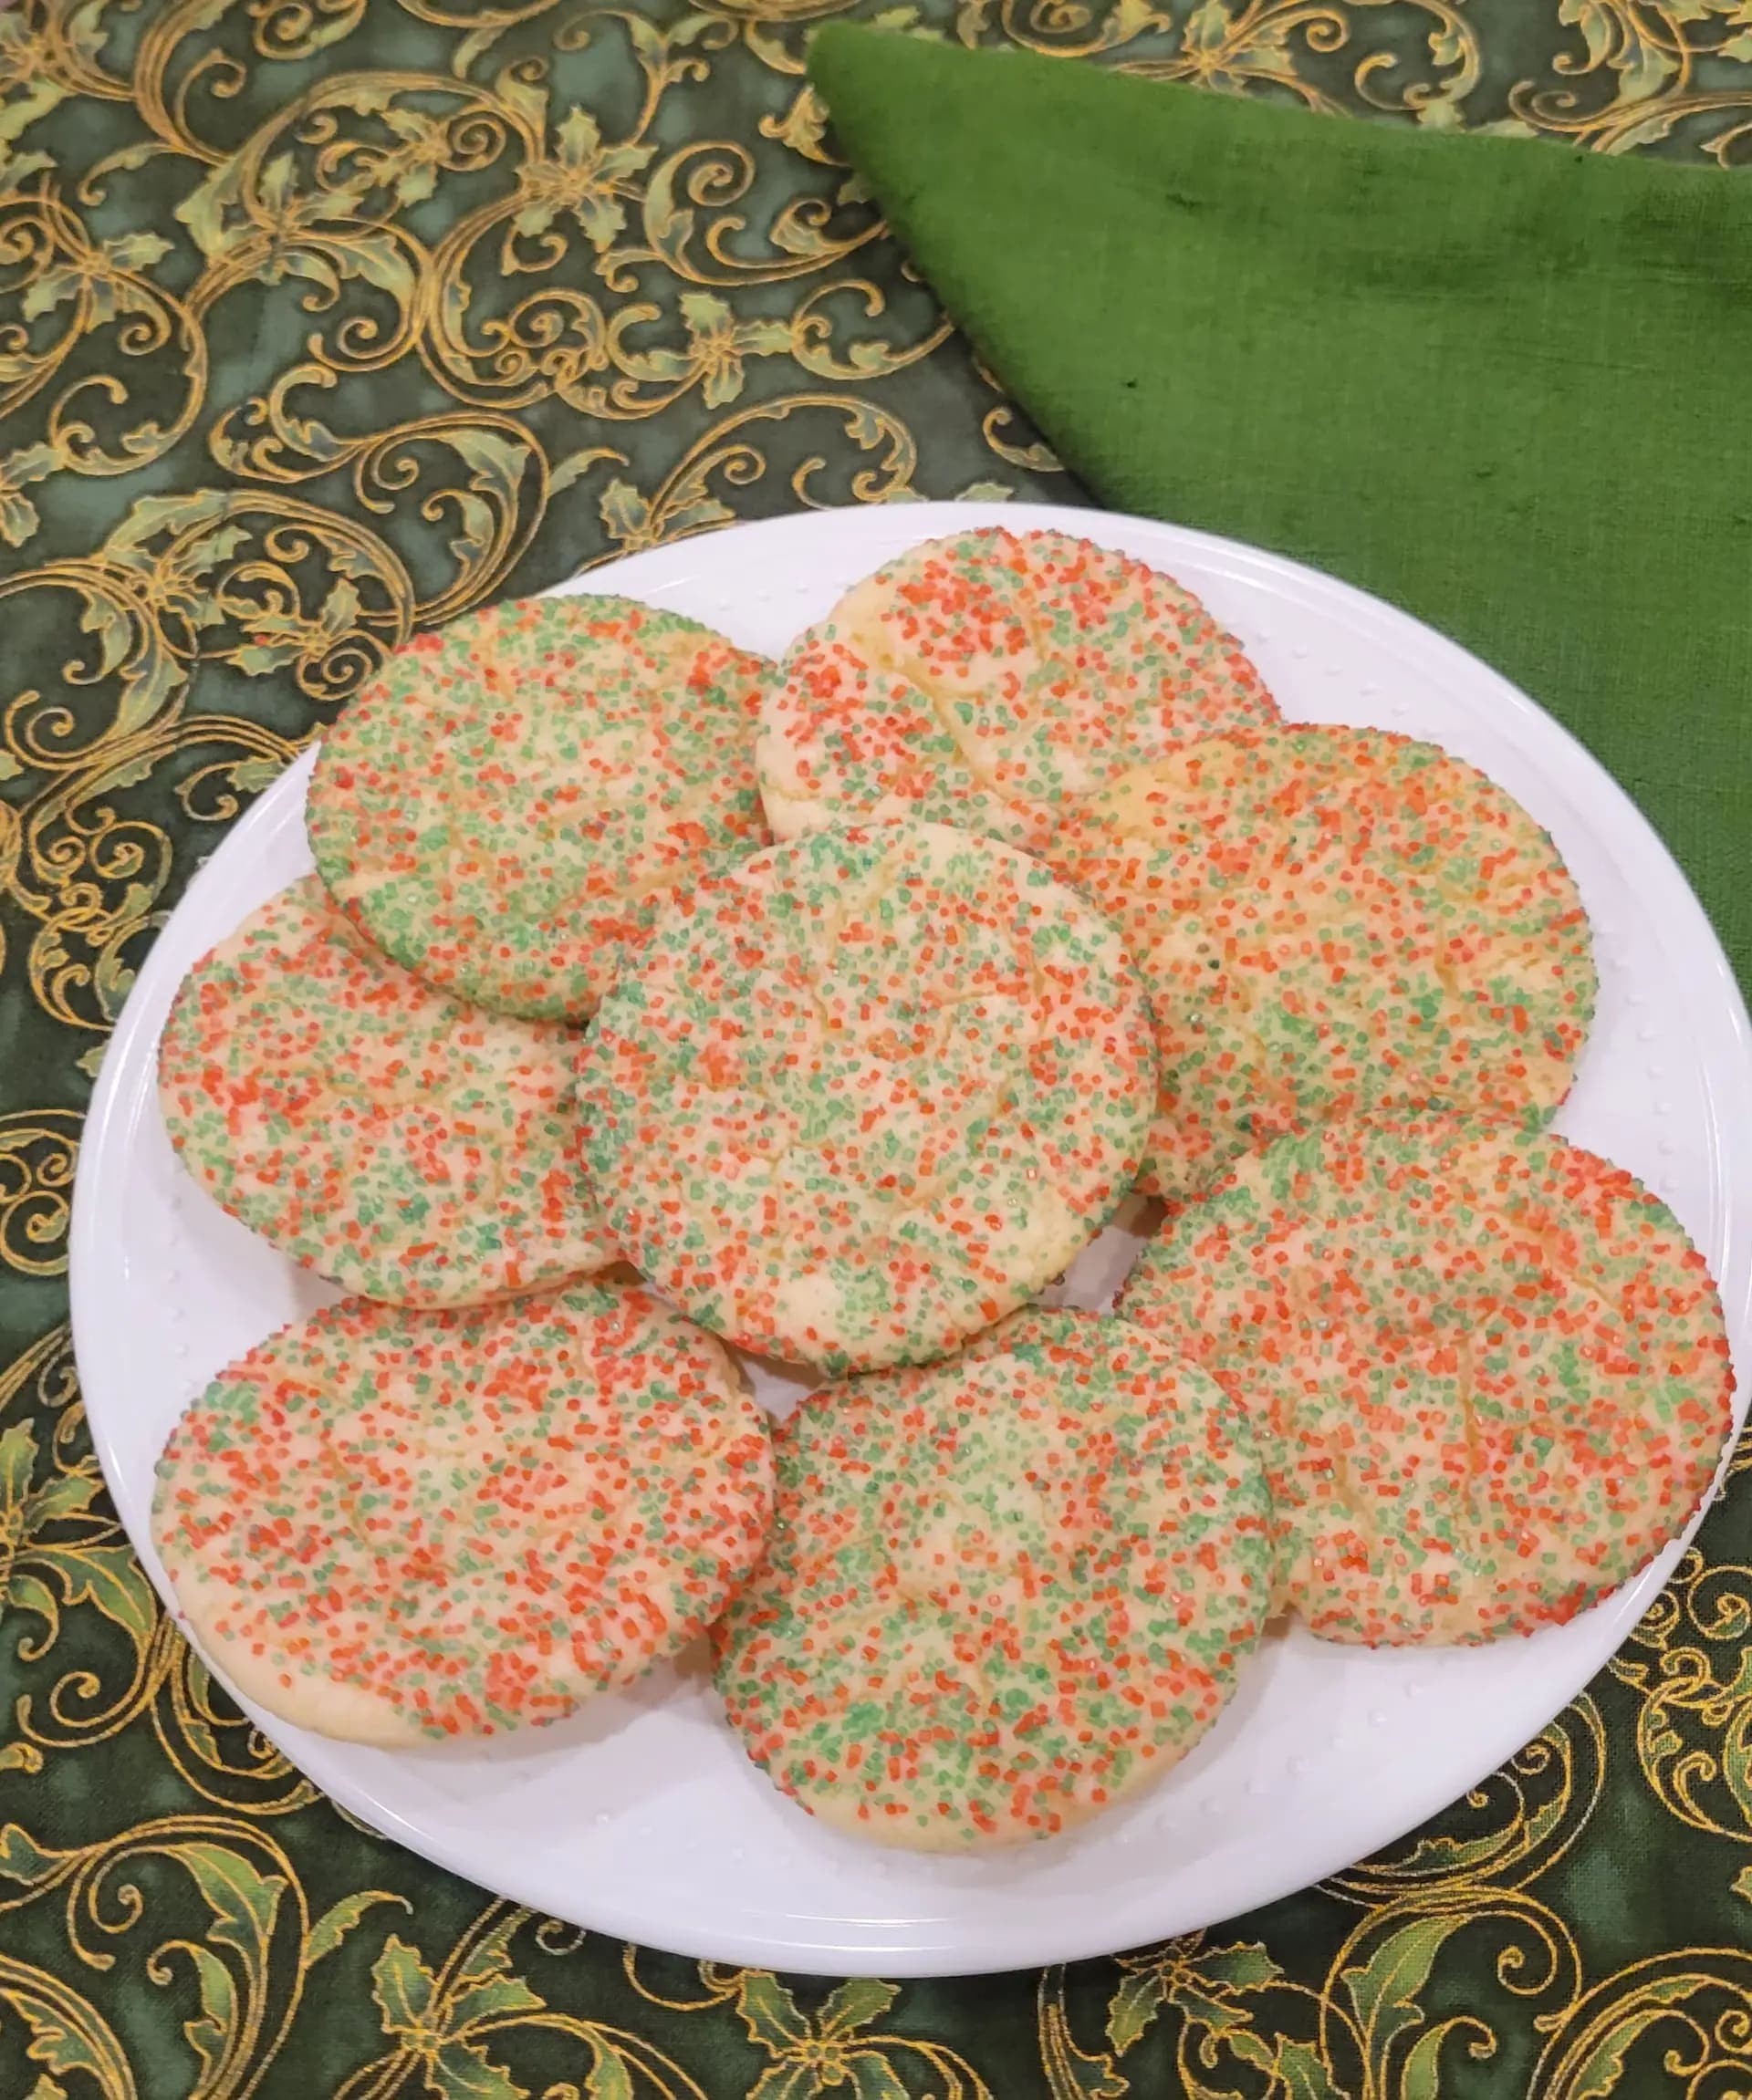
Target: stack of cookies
column 654, row 1007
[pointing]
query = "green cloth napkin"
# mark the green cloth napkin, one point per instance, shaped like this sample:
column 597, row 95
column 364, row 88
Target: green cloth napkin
column 1501, row 383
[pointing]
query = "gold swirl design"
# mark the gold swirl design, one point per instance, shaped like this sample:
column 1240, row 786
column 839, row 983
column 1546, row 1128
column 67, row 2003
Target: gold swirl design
column 41, row 1378
column 219, row 1754
column 63, row 1550
column 835, row 2045
column 1676, row 2024
column 1034, row 455
column 464, row 2018
column 1077, row 30
column 1260, row 43
column 220, row 76
column 1221, row 2011
column 1694, row 1679
column 70, row 291
column 38, row 1150
column 55, row 53
column 1372, row 1997
column 65, row 2031
column 692, row 497
column 249, row 1968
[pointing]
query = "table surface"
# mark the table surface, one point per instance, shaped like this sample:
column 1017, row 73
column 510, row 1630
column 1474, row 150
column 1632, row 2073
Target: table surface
column 322, row 322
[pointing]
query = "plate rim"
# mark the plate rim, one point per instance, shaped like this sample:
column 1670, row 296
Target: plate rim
column 280, row 805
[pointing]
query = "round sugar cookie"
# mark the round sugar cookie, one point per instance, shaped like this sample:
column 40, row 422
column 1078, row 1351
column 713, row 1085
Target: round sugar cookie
column 866, row 1092
column 990, row 680
column 1333, row 922
column 411, row 1147
column 1488, row 1370
column 504, row 807
column 391, row 1526
column 1002, row 1592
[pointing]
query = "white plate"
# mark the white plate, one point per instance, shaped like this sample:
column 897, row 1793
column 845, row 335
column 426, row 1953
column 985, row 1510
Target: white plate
column 640, row 1817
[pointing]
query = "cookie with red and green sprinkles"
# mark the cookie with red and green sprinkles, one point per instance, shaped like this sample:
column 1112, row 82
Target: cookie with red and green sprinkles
column 1488, row 1371
column 1003, row 1592
column 504, row 806
column 867, row 1092
column 991, row 679
column 411, row 1146
column 1334, row 922
column 391, row 1526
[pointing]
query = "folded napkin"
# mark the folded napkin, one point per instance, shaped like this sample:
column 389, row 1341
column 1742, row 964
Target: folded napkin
column 1504, row 384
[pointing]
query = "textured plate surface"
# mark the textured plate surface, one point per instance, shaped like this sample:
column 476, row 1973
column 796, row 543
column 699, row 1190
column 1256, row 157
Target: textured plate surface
column 639, row 1816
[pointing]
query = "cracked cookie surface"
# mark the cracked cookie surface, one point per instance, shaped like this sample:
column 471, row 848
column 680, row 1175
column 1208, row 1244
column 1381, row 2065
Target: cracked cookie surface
column 1002, row 1592
column 391, row 1526
column 1488, row 1372
column 1334, row 922
column 866, row 1092
column 409, row 1147
column 990, row 679
column 506, row 806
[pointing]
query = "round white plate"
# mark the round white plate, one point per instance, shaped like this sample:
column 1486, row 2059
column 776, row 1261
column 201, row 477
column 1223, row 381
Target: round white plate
column 640, row 1816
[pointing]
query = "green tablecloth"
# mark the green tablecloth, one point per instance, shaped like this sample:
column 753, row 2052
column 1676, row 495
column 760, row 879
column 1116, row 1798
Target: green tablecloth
column 318, row 323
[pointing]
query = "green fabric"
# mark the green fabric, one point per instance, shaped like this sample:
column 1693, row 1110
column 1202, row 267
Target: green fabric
column 1502, row 385
column 322, row 323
